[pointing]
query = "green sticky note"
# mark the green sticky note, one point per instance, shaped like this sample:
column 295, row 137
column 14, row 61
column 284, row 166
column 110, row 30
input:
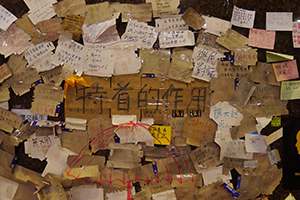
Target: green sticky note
column 276, row 122
column 278, row 57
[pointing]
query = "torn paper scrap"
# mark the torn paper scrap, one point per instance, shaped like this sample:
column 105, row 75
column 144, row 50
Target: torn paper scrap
column 75, row 7
column 164, row 7
column 242, row 17
column 274, row 156
column 290, row 197
column 274, row 136
column 243, row 93
column 279, row 21
column 277, row 57
column 235, row 149
column 57, row 160
column 193, row 19
column 176, row 39
column 170, row 23
column 140, row 33
column 232, row 40
column 225, row 115
column 135, row 133
column 7, row 18
column 215, row 25
column 85, row 192
column 76, row 123
column 214, row 174
column 16, row 40
column 261, row 38
column 169, row 194
column 245, row 56
column 43, row 12
column 38, row 52
column 73, row 23
column 262, row 122
column 140, row 12
column 286, row 70
column 103, row 32
column 255, row 143
column 4, row 72
column 81, row 172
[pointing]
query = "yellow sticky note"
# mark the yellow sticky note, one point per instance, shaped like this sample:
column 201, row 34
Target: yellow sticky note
column 277, row 57
column 161, row 134
column 276, row 122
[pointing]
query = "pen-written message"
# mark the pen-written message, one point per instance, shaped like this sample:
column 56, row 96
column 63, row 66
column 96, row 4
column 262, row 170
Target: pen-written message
column 285, row 70
column 261, row 38
column 242, row 18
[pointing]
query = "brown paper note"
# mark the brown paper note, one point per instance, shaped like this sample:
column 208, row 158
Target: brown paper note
column 51, row 28
column 222, row 89
column 199, row 130
column 263, row 73
column 232, row 40
column 98, row 13
column 76, row 141
column 206, row 157
column 73, row 24
column 248, row 125
column 243, row 93
column 227, row 70
column 245, row 56
column 193, row 19
column 16, row 62
column 4, row 72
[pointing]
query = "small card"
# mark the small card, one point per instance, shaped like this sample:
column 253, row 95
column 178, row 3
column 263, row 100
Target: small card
column 176, row 39
column 161, row 134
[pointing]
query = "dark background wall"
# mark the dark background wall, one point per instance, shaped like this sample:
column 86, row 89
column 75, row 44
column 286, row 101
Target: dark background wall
column 217, row 8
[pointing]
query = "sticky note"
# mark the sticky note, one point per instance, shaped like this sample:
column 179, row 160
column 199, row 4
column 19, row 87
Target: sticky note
column 161, row 134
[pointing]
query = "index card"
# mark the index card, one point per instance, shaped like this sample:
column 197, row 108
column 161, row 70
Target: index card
column 242, row 17
column 279, row 21
column 6, row 18
column 170, row 24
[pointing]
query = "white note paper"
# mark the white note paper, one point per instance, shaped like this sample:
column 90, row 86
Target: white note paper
column 6, row 18
column 8, row 189
column 44, row 12
column 279, row 21
column 255, row 143
column 242, row 17
column 176, row 39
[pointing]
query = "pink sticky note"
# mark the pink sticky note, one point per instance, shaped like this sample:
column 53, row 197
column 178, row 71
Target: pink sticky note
column 261, row 38
column 285, row 70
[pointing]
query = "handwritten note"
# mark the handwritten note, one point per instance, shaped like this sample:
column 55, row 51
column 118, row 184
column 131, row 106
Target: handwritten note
column 232, row 40
column 170, row 24
column 262, row 38
column 285, row 70
column 43, row 12
column 32, row 4
column 164, row 7
column 242, row 17
column 279, row 21
column 176, row 39
column 227, row 70
column 71, row 53
column 6, row 18
column 206, row 60
column 44, row 107
column 99, row 63
column 290, row 90
column 127, row 64
column 225, row 115
column 215, row 25
column 4, row 72
column 140, row 12
column 17, row 40
column 73, row 24
column 140, row 33
column 50, row 28
column 37, row 52
column 235, row 149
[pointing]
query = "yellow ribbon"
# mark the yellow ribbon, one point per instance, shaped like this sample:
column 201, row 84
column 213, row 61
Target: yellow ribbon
column 73, row 80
